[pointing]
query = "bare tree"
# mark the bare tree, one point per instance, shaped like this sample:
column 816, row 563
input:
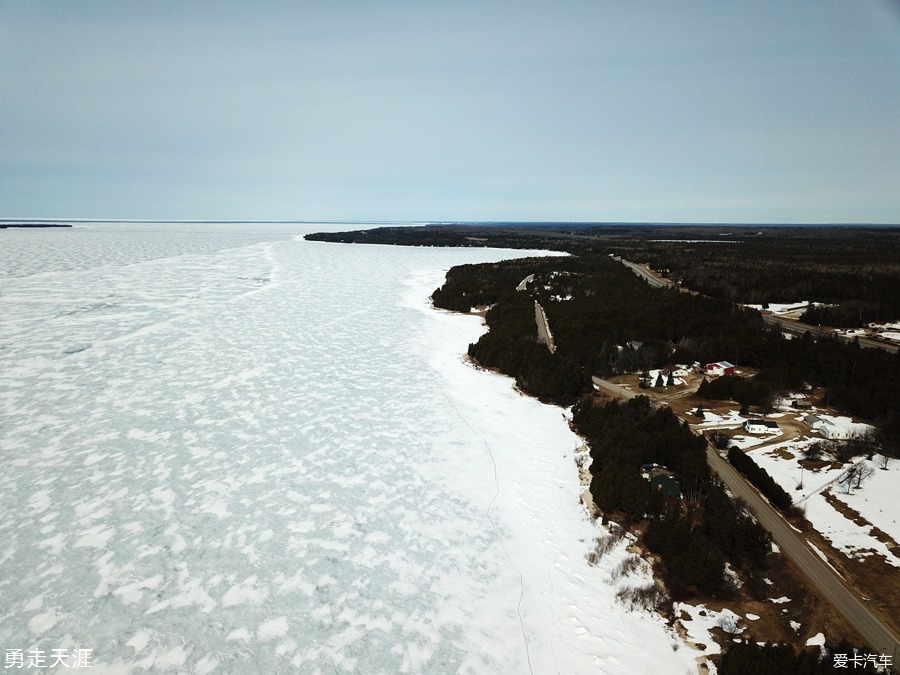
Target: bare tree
column 883, row 460
column 855, row 475
column 848, row 477
column 864, row 444
column 863, row 471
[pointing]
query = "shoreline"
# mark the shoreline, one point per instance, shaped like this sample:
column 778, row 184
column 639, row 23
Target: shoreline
column 31, row 226
column 545, row 516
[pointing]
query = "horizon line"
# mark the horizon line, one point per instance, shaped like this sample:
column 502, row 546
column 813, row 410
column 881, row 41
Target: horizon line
column 440, row 222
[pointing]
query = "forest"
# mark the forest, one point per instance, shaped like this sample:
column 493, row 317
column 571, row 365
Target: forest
column 605, row 320
column 852, row 271
column 693, row 536
column 546, row 236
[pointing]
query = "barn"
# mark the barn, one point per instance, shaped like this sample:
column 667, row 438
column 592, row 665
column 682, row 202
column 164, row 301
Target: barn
column 720, row 368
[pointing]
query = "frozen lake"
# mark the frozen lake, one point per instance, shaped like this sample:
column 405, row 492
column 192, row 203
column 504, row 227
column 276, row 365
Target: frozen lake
column 226, row 449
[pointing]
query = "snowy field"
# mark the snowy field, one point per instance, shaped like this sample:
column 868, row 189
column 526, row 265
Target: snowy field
column 229, row 450
column 787, row 308
column 874, row 499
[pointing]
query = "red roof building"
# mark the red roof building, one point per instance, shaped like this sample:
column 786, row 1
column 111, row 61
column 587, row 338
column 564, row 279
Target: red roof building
column 720, row 368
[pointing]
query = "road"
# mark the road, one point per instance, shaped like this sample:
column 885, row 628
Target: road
column 794, row 327
column 543, row 328
column 645, row 274
column 793, row 545
column 875, row 633
column 791, row 326
column 612, row 389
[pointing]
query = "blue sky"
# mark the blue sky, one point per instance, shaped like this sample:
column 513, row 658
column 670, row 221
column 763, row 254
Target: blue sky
column 713, row 111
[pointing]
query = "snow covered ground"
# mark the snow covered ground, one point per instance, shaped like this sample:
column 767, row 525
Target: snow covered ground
column 226, row 449
column 653, row 376
column 699, row 621
column 783, row 308
column 875, row 500
column 732, row 420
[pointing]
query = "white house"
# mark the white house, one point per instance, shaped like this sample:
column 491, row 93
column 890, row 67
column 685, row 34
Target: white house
column 829, row 430
column 760, row 426
column 833, row 432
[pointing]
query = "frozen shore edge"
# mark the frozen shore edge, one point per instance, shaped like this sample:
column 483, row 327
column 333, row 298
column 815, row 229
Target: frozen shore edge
column 589, row 627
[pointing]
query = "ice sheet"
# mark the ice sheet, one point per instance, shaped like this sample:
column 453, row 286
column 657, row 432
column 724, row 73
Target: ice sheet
column 228, row 456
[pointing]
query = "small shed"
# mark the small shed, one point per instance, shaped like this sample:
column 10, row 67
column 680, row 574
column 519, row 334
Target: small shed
column 812, row 420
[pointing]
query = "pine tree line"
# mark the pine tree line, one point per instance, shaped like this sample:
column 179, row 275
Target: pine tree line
column 760, row 478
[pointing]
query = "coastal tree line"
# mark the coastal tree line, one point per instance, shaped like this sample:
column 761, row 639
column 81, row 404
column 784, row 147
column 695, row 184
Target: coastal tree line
column 693, row 535
column 606, row 321
column 853, row 272
column 616, row 323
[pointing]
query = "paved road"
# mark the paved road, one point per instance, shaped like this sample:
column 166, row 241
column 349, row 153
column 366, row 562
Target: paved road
column 795, row 327
column 787, row 325
column 647, row 276
column 612, row 389
column 543, row 328
column 793, row 545
column 879, row 637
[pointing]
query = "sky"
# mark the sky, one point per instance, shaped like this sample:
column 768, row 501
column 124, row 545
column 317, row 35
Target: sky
column 703, row 111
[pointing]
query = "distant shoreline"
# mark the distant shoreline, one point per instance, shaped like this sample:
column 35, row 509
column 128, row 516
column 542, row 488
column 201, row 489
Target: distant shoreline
column 553, row 224
column 4, row 226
